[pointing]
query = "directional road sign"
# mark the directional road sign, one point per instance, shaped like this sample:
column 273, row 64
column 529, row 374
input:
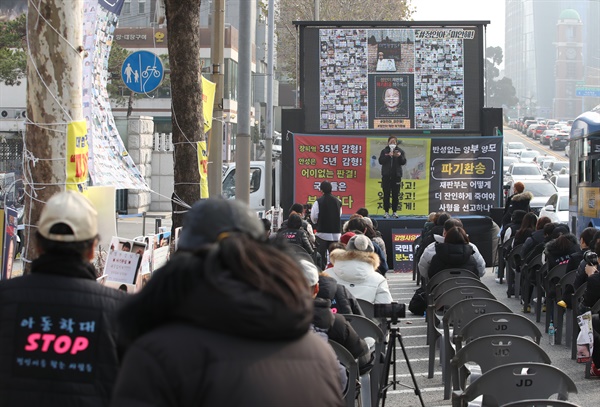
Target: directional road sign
column 591, row 91
column 142, row 71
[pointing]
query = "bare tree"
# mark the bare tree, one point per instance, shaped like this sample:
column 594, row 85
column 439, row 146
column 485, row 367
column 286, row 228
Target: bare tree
column 54, row 85
column 183, row 28
column 330, row 10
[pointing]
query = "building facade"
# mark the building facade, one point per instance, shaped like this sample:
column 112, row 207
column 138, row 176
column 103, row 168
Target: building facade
column 532, row 42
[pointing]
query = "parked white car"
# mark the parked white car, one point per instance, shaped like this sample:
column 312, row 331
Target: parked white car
column 557, row 208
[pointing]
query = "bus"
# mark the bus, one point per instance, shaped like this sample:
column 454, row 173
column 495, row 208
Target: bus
column 584, row 185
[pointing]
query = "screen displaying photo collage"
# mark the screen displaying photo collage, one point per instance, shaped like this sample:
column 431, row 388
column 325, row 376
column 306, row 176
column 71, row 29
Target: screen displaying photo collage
column 392, row 78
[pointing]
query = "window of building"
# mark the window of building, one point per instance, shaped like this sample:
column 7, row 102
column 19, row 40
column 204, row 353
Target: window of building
column 231, row 79
column 571, row 69
column 141, row 6
column 127, row 7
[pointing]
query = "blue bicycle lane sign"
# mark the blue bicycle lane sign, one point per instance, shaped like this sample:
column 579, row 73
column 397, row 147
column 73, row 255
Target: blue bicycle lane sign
column 142, row 71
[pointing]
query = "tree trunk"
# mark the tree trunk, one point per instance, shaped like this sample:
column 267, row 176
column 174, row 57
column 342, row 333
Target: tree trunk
column 183, row 28
column 54, row 82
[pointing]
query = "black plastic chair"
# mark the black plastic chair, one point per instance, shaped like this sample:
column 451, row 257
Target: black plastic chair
column 513, row 264
column 516, row 382
column 550, row 281
column 491, row 351
column 539, row 290
column 527, row 271
column 574, row 326
column 541, row 403
column 443, row 302
column 457, row 316
column 559, row 314
column 454, row 283
column 504, row 323
column 345, row 358
column 366, row 328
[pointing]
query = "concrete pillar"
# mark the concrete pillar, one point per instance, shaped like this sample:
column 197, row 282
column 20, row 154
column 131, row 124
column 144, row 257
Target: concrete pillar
column 140, row 130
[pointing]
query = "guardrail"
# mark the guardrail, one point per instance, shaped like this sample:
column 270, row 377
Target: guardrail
column 157, row 220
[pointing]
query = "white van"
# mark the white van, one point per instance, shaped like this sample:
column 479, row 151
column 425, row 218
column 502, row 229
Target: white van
column 257, row 184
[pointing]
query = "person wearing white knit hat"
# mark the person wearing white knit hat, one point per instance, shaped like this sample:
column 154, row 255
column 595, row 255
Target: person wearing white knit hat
column 355, row 268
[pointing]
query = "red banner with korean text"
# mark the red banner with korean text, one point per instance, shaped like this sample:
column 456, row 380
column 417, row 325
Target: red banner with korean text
column 337, row 159
column 459, row 175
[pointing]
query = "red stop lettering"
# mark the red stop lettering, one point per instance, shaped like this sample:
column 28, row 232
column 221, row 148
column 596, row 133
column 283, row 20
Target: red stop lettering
column 60, row 345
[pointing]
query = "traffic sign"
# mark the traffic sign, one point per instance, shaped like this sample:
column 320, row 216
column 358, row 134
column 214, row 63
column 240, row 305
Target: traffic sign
column 142, row 71
column 591, row 91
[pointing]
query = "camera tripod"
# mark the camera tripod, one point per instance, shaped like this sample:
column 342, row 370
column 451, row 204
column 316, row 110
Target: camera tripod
column 390, row 359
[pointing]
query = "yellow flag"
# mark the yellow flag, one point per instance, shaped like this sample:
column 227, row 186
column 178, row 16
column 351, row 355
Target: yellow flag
column 203, row 168
column 208, row 102
column 77, row 156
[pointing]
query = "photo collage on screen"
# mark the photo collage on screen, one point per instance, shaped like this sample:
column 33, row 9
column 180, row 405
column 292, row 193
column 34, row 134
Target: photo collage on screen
column 392, row 78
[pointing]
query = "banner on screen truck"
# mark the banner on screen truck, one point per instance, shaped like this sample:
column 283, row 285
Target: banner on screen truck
column 402, row 245
column 457, row 175
column 432, row 76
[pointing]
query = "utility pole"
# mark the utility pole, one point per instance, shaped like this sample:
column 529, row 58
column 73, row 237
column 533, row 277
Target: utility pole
column 317, row 10
column 54, row 98
column 269, row 115
column 215, row 141
column 242, row 155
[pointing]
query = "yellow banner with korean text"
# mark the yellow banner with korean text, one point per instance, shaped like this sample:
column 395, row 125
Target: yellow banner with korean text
column 77, row 156
column 203, row 168
column 208, row 102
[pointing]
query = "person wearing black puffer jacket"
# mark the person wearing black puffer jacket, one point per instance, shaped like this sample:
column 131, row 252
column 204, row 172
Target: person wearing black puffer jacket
column 58, row 329
column 559, row 249
column 226, row 322
column 455, row 252
column 294, row 233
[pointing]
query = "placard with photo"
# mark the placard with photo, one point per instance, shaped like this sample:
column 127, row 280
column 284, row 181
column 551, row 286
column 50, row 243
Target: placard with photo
column 390, row 102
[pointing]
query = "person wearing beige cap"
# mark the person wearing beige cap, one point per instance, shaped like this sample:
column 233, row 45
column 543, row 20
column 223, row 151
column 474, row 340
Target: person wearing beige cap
column 57, row 326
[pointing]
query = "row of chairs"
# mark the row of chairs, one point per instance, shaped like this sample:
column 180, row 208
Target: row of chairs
column 545, row 281
column 371, row 384
column 471, row 326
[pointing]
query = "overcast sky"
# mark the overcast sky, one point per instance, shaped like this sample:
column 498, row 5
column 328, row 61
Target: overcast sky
column 444, row 10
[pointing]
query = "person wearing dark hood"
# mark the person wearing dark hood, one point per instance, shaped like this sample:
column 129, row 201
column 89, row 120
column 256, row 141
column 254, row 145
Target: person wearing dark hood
column 559, row 249
column 58, row 329
column 430, row 251
column 455, row 252
column 225, row 323
column 520, row 199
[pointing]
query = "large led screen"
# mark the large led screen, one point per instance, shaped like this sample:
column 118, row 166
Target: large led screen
column 392, row 79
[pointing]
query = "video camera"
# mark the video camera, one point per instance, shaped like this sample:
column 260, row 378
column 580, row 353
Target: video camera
column 392, row 311
column 591, row 258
